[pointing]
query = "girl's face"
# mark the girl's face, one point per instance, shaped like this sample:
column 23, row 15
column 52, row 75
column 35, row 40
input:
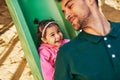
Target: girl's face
column 53, row 36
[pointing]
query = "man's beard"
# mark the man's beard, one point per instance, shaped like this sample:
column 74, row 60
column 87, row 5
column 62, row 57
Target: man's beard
column 81, row 26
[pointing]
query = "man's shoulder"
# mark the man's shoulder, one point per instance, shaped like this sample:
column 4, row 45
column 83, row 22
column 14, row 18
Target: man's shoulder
column 117, row 24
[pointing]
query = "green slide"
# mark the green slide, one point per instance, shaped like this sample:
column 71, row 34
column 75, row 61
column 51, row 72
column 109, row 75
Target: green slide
column 23, row 13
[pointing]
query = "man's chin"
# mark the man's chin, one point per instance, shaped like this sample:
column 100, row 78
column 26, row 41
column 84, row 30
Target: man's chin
column 76, row 28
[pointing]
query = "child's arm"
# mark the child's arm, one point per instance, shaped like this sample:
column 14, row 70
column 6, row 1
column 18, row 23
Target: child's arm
column 46, row 65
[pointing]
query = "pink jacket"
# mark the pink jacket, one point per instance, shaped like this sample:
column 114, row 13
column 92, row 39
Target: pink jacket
column 48, row 55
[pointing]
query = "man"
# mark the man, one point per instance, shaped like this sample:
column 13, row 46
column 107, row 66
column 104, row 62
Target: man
column 95, row 53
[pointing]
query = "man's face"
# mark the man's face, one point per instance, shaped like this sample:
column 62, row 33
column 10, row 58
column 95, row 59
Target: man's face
column 76, row 11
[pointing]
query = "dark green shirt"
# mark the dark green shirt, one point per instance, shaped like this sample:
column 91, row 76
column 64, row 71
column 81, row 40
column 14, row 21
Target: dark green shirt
column 90, row 57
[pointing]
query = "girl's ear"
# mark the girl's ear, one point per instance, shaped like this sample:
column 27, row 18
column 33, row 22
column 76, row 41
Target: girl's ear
column 44, row 40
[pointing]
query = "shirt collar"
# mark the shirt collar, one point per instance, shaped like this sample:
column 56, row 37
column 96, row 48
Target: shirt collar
column 90, row 37
column 115, row 29
column 95, row 39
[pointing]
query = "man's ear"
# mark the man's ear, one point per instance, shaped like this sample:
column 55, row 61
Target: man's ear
column 44, row 40
column 91, row 2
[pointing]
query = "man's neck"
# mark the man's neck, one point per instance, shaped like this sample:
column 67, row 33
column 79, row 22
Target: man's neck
column 98, row 26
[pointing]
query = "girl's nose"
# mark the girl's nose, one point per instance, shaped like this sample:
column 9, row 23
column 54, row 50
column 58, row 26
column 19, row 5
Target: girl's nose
column 57, row 36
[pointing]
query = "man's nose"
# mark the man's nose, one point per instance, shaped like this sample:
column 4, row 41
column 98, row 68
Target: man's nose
column 67, row 15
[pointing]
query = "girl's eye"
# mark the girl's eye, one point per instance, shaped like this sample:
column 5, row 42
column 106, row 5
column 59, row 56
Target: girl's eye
column 59, row 31
column 52, row 35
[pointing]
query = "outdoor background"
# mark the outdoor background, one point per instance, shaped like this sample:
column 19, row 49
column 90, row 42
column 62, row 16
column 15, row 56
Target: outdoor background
column 13, row 65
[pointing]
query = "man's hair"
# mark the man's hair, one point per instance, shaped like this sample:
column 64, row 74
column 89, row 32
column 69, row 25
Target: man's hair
column 95, row 0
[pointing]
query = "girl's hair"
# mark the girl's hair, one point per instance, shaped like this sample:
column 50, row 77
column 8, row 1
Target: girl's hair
column 43, row 25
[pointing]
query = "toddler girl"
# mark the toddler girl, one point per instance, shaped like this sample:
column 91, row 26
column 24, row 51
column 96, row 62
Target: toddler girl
column 52, row 39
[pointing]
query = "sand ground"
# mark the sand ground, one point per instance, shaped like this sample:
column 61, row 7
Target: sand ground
column 13, row 65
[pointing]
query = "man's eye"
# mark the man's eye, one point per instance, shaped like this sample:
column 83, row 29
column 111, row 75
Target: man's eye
column 70, row 6
column 59, row 31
